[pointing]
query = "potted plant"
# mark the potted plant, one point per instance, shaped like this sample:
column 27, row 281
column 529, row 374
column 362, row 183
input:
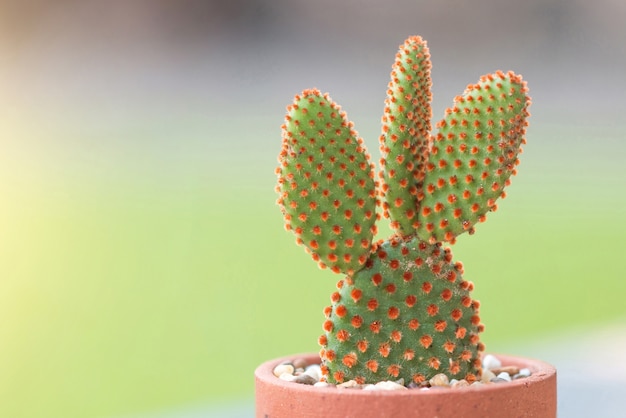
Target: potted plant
column 402, row 317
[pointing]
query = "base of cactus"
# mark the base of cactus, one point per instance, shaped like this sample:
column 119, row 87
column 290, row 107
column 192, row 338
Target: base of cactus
column 534, row 396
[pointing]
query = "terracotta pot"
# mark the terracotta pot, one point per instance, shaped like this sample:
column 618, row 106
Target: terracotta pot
column 531, row 397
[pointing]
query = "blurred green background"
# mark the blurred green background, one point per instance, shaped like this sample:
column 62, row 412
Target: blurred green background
column 143, row 263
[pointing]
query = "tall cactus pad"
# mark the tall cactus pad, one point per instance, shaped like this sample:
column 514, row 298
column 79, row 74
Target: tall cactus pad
column 408, row 314
column 326, row 183
column 406, row 133
column 473, row 156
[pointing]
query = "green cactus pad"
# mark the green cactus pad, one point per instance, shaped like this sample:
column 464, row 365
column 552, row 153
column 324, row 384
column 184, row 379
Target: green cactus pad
column 326, row 183
column 473, row 156
column 406, row 134
column 408, row 314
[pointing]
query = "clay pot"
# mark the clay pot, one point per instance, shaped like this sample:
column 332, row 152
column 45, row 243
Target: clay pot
column 531, row 397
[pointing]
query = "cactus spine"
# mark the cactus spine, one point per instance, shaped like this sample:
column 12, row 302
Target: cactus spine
column 403, row 309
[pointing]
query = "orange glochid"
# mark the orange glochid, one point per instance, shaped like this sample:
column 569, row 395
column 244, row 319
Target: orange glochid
column 393, row 313
column 384, row 349
column 375, row 327
column 356, row 321
column 460, row 333
column 456, row 314
column 372, row 365
column 372, row 304
column 343, row 335
column 349, row 360
column 340, row 311
column 434, row 363
column 441, row 325
column 393, row 370
column 418, row 378
column 454, row 367
column 449, row 346
column 377, row 279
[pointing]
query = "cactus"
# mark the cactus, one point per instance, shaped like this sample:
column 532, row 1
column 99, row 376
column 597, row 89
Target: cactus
column 403, row 309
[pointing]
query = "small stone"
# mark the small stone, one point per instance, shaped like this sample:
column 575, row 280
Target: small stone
column 389, row 385
column 322, row 385
column 300, row 363
column 439, row 380
column 504, row 376
column 349, row 384
column 487, row 376
column 498, row 380
column 477, row 383
column 524, row 372
column 369, row 386
column 284, row 368
column 511, row 370
column 315, row 371
column 491, row 362
column 305, row 379
column 413, row 385
column 460, row 384
column 287, row 377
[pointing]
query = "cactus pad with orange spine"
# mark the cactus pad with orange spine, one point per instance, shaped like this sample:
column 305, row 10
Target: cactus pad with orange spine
column 325, row 183
column 473, row 156
column 408, row 314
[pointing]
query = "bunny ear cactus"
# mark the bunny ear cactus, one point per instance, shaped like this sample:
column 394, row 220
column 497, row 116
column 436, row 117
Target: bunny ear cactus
column 403, row 309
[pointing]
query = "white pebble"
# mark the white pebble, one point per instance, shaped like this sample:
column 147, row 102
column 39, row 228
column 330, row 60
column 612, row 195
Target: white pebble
column 524, row 372
column 370, row 387
column 491, row 362
column 315, row 371
column 348, row 384
column 287, row 377
column 439, row 380
column 459, row 384
column 284, row 368
column 322, row 384
column 487, row 376
column 389, row 385
column 504, row 376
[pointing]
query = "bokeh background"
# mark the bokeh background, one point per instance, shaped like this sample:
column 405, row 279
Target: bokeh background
column 143, row 263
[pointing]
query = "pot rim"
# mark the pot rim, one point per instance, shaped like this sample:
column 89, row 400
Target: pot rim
column 540, row 371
